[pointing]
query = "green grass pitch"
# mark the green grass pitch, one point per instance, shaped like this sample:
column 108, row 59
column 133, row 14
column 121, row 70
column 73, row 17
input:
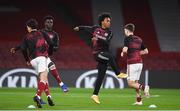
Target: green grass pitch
column 79, row 99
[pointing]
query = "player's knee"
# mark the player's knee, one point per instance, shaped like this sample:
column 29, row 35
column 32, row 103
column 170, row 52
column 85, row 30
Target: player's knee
column 130, row 83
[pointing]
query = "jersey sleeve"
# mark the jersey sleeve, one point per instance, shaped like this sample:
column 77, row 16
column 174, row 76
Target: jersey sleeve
column 126, row 42
column 89, row 29
column 110, row 36
column 24, row 49
column 143, row 46
column 18, row 48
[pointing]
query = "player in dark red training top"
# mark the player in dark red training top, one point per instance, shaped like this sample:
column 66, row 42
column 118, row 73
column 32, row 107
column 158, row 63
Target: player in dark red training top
column 134, row 48
column 101, row 37
column 48, row 23
column 35, row 50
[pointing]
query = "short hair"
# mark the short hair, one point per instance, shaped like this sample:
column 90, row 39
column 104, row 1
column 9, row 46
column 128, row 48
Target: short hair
column 130, row 27
column 32, row 23
column 102, row 17
column 47, row 17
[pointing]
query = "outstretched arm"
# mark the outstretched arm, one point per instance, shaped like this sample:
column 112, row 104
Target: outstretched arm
column 88, row 29
column 24, row 50
column 14, row 49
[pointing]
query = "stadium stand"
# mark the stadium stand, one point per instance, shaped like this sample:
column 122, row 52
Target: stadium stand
column 74, row 53
column 166, row 15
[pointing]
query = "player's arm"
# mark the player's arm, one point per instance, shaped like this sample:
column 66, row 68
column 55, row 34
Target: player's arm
column 88, row 29
column 125, row 48
column 14, row 49
column 56, row 42
column 144, row 50
column 124, row 51
column 25, row 52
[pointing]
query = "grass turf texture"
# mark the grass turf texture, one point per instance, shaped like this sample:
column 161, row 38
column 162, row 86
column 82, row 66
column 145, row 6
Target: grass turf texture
column 79, row 99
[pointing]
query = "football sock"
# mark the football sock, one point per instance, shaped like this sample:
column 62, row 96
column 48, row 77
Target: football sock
column 55, row 74
column 141, row 87
column 41, row 87
column 61, row 84
column 46, row 90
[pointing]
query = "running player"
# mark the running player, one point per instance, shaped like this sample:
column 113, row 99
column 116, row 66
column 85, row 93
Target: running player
column 35, row 50
column 134, row 48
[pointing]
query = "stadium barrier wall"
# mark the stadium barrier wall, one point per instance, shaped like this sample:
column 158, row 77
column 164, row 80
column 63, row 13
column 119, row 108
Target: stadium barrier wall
column 23, row 77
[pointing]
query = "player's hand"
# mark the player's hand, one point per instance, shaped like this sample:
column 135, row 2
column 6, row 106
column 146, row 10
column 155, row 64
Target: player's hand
column 76, row 29
column 12, row 50
column 28, row 64
column 122, row 54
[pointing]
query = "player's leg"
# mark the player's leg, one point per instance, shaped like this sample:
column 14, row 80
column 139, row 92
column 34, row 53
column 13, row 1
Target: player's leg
column 138, row 96
column 55, row 74
column 132, row 71
column 102, row 67
column 146, row 88
column 40, row 88
column 47, row 92
column 34, row 65
column 41, row 100
column 106, row 56
column 37, row 97
column 43, row 79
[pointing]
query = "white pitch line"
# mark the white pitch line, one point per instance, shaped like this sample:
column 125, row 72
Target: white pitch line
column 83, row 96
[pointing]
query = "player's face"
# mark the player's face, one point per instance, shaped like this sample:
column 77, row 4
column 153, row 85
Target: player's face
column 49, row 23
column 106, row 23
column 126, row 32
column 28, row 29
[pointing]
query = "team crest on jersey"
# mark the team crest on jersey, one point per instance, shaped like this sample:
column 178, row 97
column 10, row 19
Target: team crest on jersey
column 106, row 34
column 51, row 36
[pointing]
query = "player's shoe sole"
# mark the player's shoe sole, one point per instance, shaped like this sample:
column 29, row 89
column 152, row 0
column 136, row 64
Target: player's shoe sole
column 50, row 101
column 37, row 101
column 122, row 75
column 138, row 103
column 95, row 98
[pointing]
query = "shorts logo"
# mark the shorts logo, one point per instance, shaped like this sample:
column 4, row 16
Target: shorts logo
column 87, row 80
column 20, row 77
